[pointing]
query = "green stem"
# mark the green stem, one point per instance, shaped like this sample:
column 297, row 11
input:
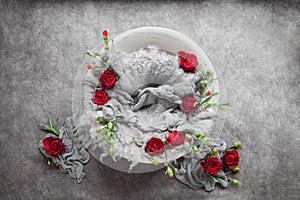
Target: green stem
column 166, row 162
column 53, row 130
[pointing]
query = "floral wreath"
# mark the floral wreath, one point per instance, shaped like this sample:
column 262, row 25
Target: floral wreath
column 209, row 162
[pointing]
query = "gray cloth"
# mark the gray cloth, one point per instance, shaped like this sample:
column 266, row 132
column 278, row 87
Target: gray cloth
column 76, row 154
column 191, row 173
column 146, row 96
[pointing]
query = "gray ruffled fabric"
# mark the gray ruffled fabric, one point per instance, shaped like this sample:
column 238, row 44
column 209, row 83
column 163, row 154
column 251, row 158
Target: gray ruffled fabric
column 191, row 173
column 76, row 154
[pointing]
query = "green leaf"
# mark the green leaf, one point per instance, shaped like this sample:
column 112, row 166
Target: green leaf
column 100, row 119
column 50, row 121
column 208, row 98
column 89, row 53
column 108, row 133
column 214, row 178
column 209, row 73
column 109, row 125
column 78, row 139
column 221, row 106
column 45, row 127
column 97, row 53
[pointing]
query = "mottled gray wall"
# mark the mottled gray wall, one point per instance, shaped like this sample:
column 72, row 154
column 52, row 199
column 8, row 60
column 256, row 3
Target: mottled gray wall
column 254, row 45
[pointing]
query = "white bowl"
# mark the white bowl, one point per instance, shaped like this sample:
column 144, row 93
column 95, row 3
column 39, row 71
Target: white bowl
column 131, row 40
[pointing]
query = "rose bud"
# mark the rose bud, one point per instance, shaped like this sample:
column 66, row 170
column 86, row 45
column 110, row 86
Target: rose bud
column 100, row 119
column 90, row 66
column 170, row 172
column 57, row 164
column 89, row 53
column 105, row 33
column 204, row 82
column 196, row 150
column 198, row 134
column 213, row 152
column 235, row 182
column 236, row 169
column 109, row 125
column 154, row 161
column 112, row 141
column 208, row 93
column 237, row 144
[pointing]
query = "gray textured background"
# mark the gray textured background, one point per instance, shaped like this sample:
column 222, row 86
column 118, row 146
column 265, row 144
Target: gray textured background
column 254, row 45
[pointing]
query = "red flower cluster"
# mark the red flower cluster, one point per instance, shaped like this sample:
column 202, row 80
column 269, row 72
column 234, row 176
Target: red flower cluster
column 187, row 61
column 212, row 165
column 108, row 80
column 53, row 146
column 155, row 146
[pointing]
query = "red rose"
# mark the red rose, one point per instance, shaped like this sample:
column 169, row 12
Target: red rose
column 175, row 138
column 189, row 104
column 211, row 165
column 53, row 146
column 155, row 147
column 105, row 33
column 100, row 97
column 108, row 79
column 231, row 158
column 187, row 61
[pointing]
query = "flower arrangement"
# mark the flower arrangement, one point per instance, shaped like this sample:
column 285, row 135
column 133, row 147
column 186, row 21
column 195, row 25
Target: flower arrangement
column 207, row 162
column 65, row 148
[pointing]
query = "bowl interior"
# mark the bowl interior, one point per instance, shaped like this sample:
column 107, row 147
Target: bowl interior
column 165, row 39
